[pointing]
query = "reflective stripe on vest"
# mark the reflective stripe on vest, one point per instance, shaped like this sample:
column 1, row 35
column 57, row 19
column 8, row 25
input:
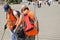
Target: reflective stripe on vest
column 11, row 20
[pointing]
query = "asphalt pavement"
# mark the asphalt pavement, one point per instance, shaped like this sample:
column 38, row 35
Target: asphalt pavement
column 48, row 17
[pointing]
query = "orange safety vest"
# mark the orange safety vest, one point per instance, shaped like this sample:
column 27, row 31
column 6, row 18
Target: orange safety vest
column 33, row 30
column 11, row 20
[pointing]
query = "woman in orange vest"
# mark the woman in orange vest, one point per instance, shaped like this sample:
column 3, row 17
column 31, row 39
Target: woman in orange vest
column 11, row 20
column 29, row 25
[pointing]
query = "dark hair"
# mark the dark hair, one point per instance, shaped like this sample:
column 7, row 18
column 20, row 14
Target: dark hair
column 25, row 8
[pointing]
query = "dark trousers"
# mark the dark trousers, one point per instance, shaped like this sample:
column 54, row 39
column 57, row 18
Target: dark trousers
column 21, row 35
column 30, row 38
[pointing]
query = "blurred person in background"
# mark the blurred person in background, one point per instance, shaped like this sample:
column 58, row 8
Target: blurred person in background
column 40, row 3
column 49, row 2
column 29, row 2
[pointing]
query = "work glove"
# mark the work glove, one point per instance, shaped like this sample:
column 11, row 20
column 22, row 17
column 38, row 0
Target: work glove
column 14, row 28
column 5, row 27
column 14, row 31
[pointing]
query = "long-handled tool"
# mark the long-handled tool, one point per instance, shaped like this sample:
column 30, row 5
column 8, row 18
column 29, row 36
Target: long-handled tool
column 3, row 35
column 36, row 21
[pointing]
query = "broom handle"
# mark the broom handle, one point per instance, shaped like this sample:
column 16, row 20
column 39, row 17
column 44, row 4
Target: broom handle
column 3, row 35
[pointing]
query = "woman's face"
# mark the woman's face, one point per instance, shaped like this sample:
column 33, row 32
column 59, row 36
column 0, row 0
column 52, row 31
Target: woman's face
column 25, row 12
column 9, row 10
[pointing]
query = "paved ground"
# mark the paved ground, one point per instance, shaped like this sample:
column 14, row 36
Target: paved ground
column 48, row 17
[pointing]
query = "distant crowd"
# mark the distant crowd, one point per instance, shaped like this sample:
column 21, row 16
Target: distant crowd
column 39, row 3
